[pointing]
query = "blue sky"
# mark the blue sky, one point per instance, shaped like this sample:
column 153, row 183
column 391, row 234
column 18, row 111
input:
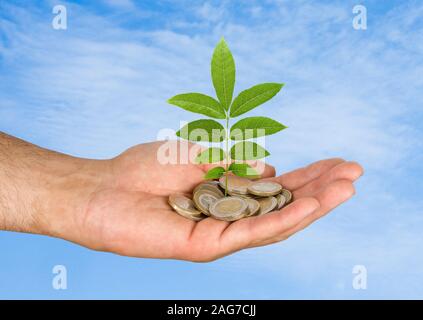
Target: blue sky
column 101, row 86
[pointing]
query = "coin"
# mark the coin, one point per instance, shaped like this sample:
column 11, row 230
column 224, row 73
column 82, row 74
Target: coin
column 264, row 188
column 281, row 201
column 204, row 198
column 235, row 184
column 253, row 207
column 209, row 186
column 288, row 195
column 267, row 205
column 185, row 207
column 229, row 208
column 206, row 183
column 245, row 196
column 213, row 184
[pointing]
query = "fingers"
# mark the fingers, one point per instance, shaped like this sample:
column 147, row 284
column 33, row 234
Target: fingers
column 257, row 230
column 268, row 170
column 332, row 196
column 298, row 178
column 317, row 188
column 214, row 239
column 346, row 170
column 204, row 241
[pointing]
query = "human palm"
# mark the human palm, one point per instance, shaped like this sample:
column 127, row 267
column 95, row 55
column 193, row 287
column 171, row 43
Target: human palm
column 128, row 213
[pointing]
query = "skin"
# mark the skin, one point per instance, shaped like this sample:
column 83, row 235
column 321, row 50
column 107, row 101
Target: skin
column 120, row 205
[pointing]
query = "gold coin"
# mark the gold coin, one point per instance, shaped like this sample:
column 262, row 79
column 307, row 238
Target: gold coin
column 267, row 205
column 185, row 207
column 229, row 208
column 236, row 184
column 288, row 195
column 204, row 198
column 281, row 201
column 264, row 188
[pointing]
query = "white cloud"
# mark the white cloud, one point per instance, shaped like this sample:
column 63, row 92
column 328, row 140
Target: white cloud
column 99, row 88
column 121, row 4
column 206, row 11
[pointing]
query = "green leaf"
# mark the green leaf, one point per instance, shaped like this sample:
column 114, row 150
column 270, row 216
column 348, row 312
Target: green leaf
column 253, row 97
column 202, row 130
column 215, row 173
column 210, row 155
column 248, row 150
column 254, row 127
column 223, row 73
column 243, row 170
column 199, row 103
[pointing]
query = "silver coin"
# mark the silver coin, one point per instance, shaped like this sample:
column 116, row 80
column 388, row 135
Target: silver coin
column 185, row 207
column 265, row 188
column 288, row 195
column 229, row 208
column 245, row 196
column 209, row 186
column 253, row 207
column 281, row 201
column 204, row 198
column 267, row 205
column 235, row 184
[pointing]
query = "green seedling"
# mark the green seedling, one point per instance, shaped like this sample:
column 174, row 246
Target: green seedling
column 225, row 108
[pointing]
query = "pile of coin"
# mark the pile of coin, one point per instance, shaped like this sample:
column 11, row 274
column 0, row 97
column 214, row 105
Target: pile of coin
column 245, row 198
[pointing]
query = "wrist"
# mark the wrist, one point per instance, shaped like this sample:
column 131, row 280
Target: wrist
column 66, row 191
column 45, row 192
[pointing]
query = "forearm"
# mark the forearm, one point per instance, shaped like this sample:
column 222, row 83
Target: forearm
column 41, row 190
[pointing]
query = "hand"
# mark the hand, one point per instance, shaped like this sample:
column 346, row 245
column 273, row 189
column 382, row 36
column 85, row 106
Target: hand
column 130, row 215
column 120, row 205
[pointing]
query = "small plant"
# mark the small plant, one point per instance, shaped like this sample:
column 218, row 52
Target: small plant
column 226, row 108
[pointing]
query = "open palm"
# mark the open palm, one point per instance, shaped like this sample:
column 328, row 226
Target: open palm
column 129, row 214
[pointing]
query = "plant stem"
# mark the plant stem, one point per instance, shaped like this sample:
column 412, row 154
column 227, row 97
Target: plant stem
column 227, row 155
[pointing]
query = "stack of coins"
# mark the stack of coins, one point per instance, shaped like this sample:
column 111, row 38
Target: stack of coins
column 245, row 198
